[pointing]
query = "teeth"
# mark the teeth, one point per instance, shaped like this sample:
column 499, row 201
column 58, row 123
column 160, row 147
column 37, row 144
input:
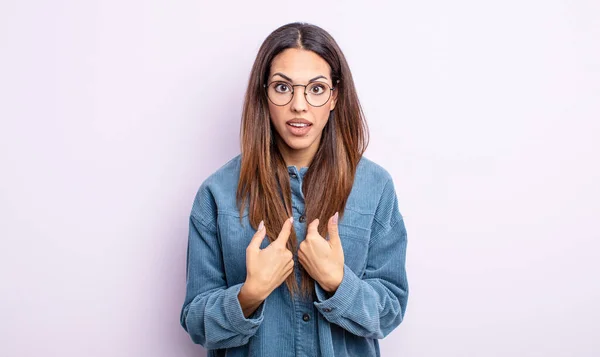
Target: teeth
column 297, row 125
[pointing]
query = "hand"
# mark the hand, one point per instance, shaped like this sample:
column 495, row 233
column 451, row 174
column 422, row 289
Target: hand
column 268, row 268
column 323, row 259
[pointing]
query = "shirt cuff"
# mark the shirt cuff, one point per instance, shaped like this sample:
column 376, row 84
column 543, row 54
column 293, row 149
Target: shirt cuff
column 335, row 305
column 235, row 315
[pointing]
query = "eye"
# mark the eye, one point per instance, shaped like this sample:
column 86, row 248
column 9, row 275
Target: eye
column 282, row 87
column 317, row 89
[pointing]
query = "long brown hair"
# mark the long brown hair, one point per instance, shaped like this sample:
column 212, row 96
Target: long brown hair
column 264, row 178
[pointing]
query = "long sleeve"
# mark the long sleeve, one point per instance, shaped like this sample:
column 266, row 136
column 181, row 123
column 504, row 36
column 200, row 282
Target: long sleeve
column 211, row 313
column 374, row 304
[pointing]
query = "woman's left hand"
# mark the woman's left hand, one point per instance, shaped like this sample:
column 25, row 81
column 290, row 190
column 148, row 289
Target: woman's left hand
column 323, row 259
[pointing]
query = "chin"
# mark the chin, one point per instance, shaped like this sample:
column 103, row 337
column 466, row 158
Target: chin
column 296, row 143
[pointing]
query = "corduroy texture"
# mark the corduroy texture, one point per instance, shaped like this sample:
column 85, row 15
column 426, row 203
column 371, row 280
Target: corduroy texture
column 369, row 303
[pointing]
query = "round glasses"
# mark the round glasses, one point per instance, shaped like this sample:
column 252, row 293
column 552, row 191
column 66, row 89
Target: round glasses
column 280, row 93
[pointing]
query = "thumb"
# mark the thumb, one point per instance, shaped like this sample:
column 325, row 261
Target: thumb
column 332, row 230
column 258, row 237
column 313, row 227
column 286, row 231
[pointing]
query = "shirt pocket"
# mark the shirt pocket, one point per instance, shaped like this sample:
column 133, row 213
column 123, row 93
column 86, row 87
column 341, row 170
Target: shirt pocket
column 355, row 233
column 235, row 237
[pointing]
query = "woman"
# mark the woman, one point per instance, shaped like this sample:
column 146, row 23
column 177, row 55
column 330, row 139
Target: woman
column 296, row 246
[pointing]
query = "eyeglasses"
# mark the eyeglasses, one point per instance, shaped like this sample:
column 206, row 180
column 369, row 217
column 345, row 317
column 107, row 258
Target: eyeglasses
column 317, row 94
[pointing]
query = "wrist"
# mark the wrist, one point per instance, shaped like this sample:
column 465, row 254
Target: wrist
column 251, row 292
column 332, row 285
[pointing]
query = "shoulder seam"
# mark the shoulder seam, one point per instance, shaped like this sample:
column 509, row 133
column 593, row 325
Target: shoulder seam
column 380, row 198
column 210, row 224
column 392, row 226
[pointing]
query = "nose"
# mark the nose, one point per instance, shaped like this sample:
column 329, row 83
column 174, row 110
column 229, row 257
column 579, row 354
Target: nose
column 299, row 103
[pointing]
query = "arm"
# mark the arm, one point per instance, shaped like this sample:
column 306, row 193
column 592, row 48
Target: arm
column 212, row 314
column 374, row 304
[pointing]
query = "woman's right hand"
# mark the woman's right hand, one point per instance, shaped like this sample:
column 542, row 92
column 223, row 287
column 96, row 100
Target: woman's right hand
column 268, row 268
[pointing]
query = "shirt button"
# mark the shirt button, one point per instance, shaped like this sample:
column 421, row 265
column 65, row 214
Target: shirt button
column 306, row 317
column 293, row 175
column 302, row 219
column 327, row 309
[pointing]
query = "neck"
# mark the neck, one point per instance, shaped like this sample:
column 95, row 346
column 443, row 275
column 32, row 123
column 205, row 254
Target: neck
column 298, row 157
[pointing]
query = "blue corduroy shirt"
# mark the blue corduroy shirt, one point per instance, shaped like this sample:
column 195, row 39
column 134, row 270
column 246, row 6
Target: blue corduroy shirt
column 369, row 303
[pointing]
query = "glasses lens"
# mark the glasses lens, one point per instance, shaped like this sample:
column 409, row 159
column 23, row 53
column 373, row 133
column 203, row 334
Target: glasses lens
column 280, row 93
column 317, row 94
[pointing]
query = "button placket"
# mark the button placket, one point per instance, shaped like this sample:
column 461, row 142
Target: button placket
column 304, row 309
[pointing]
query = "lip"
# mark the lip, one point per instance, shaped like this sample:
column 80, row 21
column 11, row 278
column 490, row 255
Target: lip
column 299, row 121
column 298, row 131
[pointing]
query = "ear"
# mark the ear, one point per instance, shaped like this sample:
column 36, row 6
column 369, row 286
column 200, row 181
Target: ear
column 333, row 100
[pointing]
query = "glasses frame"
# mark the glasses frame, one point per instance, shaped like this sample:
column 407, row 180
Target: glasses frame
column 331, row 89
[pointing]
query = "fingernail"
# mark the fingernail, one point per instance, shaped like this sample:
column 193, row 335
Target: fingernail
column 261, row 225
column 335, row 218
column 292, row 219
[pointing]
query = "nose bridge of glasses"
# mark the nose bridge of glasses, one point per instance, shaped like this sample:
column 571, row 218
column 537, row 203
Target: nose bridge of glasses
column 301, row 85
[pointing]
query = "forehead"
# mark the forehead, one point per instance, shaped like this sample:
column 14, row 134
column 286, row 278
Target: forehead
column 300, row 65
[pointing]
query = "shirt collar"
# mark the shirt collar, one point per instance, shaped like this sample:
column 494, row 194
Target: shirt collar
column 299, row 172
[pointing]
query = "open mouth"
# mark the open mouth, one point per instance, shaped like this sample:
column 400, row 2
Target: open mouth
column 299, row 129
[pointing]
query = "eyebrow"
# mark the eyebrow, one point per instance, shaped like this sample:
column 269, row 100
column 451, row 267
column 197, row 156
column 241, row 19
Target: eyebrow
column 290, row 80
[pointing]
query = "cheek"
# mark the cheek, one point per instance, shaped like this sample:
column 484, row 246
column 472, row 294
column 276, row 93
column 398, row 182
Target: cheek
column 276, row 115
column 321, row 116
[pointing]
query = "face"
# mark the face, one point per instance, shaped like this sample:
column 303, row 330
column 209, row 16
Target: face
column 298, row 123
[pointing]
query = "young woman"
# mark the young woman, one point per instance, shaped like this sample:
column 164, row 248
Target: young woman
column 297, row 246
